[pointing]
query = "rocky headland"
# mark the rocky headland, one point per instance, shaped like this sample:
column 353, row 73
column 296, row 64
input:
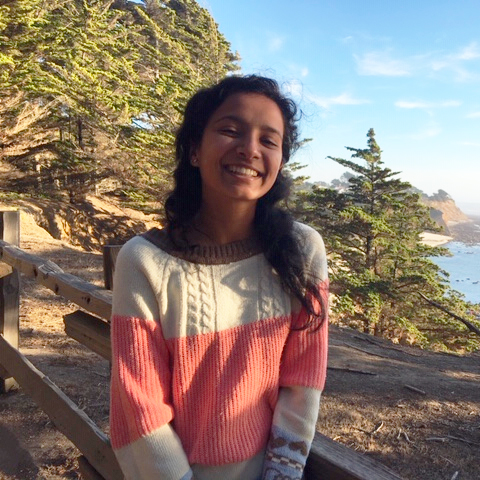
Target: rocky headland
column 454, row 223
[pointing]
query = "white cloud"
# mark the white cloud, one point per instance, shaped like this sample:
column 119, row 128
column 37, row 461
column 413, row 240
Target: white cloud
column 297, row 71
column 379, row 63
column 275, row 42
column 342, row 99
column 455, row 62
column 429, row 132
column 426, row 105
column 474, row 115
column 294, row 88
column 383, row 63
column 405, row 104
column 470, row 52
column 470, row 144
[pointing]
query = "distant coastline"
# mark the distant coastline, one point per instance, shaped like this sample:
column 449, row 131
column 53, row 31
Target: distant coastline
column 466, row 232
column 463, row 232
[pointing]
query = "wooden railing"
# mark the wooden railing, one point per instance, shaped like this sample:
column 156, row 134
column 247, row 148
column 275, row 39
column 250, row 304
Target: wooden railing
column 328, row 459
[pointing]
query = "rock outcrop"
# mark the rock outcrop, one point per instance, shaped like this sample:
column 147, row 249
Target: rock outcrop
column 444, row 210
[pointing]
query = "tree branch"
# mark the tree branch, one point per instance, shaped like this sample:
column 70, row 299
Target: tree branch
column 468, row 324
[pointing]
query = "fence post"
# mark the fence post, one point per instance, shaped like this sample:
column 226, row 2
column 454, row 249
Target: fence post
column 9, row 293
column 110, row 253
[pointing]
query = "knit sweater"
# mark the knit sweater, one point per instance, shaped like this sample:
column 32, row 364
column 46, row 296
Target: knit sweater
column 210, row 378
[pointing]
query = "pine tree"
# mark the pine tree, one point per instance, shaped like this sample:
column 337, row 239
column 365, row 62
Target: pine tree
column 379, row 265
column 90, row 88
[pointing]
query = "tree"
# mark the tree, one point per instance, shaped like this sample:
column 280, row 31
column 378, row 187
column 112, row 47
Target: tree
column 379, row 265
column 91, row 88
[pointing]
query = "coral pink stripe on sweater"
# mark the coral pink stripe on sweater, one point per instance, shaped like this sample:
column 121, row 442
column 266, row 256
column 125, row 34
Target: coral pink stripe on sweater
column 236, row 374
column 306, row 351
column 141, row 379
column 225, row 388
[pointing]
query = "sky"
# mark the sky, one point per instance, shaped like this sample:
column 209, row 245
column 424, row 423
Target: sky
column 410, row 70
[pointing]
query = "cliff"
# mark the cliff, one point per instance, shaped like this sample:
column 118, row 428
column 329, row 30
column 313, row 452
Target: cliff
column 455, row 223
column 444, row 210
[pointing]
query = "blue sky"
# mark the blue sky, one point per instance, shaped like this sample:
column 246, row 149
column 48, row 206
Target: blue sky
column 410, row 70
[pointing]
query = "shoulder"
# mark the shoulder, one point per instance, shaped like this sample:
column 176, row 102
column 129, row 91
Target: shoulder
column 312, row 247
column 139, row 251
column 308, row 237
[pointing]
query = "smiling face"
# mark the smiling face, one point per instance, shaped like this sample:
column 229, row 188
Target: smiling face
column 240, row 154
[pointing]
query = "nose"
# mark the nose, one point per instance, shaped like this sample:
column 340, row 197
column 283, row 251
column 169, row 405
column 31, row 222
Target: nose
column 249, row 146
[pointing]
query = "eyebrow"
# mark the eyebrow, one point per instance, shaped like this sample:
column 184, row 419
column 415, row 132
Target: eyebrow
column 235, row 118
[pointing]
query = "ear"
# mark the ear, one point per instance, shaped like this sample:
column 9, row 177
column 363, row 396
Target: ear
column 193, row 158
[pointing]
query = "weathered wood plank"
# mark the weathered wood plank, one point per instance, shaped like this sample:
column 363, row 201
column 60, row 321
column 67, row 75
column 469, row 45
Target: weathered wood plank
column 87, row 472
column 9, row 291
column 66, row 416
column 91, row 331
column 330, row 460
column 94, row 299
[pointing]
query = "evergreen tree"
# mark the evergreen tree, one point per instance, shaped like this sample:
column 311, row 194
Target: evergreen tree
column 90, row 88
column 379, row 265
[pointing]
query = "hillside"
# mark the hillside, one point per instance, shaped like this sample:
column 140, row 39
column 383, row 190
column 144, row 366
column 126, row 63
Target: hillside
column 416, row 411
column 444, row 210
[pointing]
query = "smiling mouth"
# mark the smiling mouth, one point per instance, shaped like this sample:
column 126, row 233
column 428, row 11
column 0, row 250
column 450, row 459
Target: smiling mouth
column 247, row 172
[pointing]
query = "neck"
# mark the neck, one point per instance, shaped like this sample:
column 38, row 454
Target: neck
column 222, row 225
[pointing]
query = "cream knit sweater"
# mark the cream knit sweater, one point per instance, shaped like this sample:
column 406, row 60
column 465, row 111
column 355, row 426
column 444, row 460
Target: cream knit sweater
column 209, row 380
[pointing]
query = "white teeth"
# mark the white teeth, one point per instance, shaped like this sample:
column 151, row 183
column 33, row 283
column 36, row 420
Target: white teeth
column 242, row 171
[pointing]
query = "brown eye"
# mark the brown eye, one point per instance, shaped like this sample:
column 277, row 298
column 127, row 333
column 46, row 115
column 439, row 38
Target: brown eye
column 269, row 142
column 229, row 131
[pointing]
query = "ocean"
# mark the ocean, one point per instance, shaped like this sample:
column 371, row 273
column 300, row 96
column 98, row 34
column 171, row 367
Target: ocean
column 464, row 264
column 464, row 269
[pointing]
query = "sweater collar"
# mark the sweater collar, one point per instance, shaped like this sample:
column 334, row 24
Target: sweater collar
column 205, row 254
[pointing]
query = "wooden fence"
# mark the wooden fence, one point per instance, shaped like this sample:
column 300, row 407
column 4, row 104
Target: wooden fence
column 328, row 459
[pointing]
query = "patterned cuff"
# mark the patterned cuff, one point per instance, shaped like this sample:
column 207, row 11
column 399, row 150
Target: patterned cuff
column 286, row 456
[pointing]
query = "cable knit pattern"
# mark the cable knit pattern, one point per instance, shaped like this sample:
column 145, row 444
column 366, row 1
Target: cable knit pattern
column 202, row 346
column 205, row 287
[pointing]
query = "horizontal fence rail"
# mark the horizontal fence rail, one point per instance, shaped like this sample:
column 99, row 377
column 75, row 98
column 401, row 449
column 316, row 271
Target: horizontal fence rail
column 90, row 297
column 328, row 460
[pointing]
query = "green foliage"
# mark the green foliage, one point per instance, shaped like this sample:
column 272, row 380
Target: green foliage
column 97, row 87
column 378, row 263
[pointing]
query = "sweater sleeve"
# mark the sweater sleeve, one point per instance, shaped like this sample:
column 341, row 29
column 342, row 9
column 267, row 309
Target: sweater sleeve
column 302, row 379
column 142, row 438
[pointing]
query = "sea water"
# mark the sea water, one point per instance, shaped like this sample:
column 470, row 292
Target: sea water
column 464, row 264
column 464, row 269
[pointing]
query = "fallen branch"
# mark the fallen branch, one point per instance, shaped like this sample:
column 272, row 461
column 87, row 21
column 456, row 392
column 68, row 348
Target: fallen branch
column 463, row 440
column 351, row 370
column 400, row 433
column 366, row 351
column 468, row 324
column 415, row 389
column 376, row 428
column 451, row 437
column 384, row 345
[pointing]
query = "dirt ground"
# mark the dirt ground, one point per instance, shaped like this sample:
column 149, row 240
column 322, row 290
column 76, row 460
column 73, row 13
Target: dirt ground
column 417, row 412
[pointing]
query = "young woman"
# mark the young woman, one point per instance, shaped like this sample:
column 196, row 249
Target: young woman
column 219, row 328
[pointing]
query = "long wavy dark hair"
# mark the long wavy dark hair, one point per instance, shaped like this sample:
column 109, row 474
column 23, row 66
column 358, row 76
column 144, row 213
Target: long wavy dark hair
column 274, row 226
